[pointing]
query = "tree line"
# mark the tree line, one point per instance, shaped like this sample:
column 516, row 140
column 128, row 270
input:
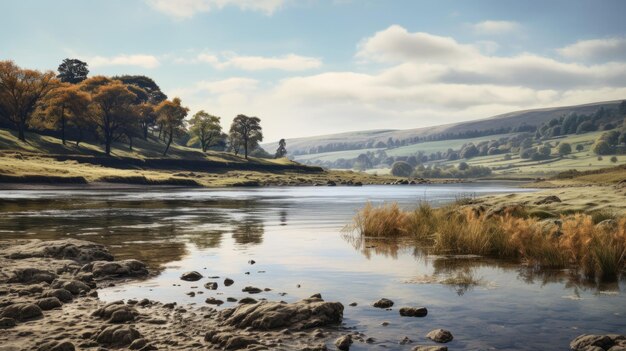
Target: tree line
column 114, row 109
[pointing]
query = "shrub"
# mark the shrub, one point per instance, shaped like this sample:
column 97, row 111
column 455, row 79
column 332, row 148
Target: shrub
column 601, row 147
column 401, row 169
column 614, row 159
column 565, row 148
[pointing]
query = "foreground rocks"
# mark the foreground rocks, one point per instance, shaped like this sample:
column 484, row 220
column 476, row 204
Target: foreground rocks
column 591, row 342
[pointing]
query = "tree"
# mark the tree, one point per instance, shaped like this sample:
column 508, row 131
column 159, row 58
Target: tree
column 622, row 108
column 282, row 149
column 565, row 149
column 65, row 105
column 614, row 159
column 401, row 169
column 153, row 93
column 469, row 151
column 171, row 115
column 601, row 147
column 205, row 130
column 248, row 131
column 463, row 166
column 21, row 90
column 579, row 147
column 112, row 107
column 72, row 71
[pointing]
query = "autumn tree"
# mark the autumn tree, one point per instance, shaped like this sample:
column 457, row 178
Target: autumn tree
column 21, row 90
column 205, row 130
column 171, row 115
column 282, row 149
column 65, row 105
column 248, row 131
column 111, row 107
column 72, row 71
column 148, row 93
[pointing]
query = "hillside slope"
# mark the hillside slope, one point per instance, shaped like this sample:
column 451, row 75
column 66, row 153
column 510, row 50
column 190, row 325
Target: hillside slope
column 508, row 120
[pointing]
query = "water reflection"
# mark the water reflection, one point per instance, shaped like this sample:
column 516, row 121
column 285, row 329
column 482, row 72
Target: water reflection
column 248, row 231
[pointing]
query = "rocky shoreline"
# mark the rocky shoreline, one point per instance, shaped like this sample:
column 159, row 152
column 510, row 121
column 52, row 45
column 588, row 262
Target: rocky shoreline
column 49, row 302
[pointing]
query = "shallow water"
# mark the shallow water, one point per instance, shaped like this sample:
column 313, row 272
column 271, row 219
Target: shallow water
column 295, row 236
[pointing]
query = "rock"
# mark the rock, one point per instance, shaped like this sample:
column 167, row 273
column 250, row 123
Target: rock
column 353, row 304
column 138, row 344
column 251, row 290
column 116, row 312
column 343, row 343
column 76, row 287
column 265, row 315
column 316, row 296
column 31, row 276
column 413, row 311
column 191, row 276
column 191, row 294
column 211, row 285
column 440, row 335
column 331, row 183
column 583, row 342
column 7, row 322
column 228, row 282
column 251, row 262
column 49, row 303
column 429, row 348
column 503, row 210
column 247, row 300
column 213, row 301
column 61, row 294
column 21, row 311
column 118, row 335
column 77, row 250
column 383, row 303
column 125, row 268
column 548, row 200
column 239, row 342
column 57, row 346
column 607, row 225
column 231, row 299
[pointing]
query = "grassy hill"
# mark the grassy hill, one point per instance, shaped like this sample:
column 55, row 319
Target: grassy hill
column 507, row 120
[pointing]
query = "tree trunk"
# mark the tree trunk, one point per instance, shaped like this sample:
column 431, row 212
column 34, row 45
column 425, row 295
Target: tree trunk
column 63, row 125
column 145, row 132
column 167, row 147
column 21, row 127
column 130, row 143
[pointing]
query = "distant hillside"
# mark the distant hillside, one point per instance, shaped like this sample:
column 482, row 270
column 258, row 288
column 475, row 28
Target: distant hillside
column 360, row 139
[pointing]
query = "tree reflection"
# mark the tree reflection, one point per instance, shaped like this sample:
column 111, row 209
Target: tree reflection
column 248, row 231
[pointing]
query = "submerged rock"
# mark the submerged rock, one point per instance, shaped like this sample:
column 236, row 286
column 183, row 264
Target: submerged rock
column 251, row 290
column 413, row 311
column 383, row 303
column 265, row 315
column 191, row 276
column 440, row 335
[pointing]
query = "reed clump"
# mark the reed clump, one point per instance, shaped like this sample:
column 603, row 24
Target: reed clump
column 575, row 241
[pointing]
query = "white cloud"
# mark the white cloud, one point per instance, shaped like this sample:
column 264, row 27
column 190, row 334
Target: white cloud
column 188, row 8
column 145, row 61
column 603, row 50
column 425, row 80
column 289, row 62
column 496, row 27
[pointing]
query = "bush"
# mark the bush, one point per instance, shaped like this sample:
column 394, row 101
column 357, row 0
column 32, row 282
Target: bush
column 614, row 159
column 601, row 147
column 580, row 147
column 401, row 169
column 565, row 148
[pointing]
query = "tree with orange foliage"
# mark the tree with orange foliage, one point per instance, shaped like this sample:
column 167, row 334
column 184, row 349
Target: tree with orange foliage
column 65, row 105
column 171, row 115
column 21, row 90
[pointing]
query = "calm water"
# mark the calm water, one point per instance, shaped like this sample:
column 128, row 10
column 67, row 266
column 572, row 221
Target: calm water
column 294, row 235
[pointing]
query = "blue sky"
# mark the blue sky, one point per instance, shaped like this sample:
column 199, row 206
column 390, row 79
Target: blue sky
column 310, row 67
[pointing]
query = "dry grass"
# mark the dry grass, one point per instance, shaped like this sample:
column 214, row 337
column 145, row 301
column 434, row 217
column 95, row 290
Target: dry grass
column 572, row 241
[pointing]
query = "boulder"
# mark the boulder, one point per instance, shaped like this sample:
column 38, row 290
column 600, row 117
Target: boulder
column 211, row 286
column 343, row 343
column 76, row 287
column 31, row 276
column 213, row 301
column 383, row 303
column 191, row 276
column 583, row 342
column 61, row 294
column 49, row 303
column 77, row 250
column 251, row 290
column 7, row 322
column 118, row 335
column 125, row 268
column 228, row 282
column 116, row 312
column 247, row 300
column 265, row 315
column 429, row 348
column 440, row 335
column 413, row 311
column 21, row 311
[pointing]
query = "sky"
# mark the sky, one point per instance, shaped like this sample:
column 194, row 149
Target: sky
column 313, row 67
